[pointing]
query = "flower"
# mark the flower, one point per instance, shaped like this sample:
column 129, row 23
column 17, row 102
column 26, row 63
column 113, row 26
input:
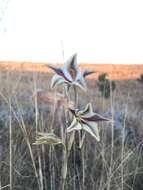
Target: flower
column 47, row 138
column 70, row 74
column 86, row 120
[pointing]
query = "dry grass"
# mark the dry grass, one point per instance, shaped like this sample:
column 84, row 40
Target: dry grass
column 116, row 162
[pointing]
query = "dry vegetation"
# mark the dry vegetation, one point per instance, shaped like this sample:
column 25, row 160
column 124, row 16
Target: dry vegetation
column 116, row 162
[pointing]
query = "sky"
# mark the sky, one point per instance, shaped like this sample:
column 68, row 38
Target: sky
column 99, row 31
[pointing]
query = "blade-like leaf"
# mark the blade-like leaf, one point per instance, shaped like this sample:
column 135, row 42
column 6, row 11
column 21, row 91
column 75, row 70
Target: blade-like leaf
column 92, row 129
column 75, row 125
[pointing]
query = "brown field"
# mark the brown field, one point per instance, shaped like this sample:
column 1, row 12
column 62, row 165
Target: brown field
column 114, row 71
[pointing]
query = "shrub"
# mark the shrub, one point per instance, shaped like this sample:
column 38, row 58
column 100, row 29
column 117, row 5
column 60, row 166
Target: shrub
column 141, row 78
column 104, row 85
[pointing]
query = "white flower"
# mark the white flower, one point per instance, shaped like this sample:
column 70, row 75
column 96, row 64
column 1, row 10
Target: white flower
column 70, row 74
column 86, row 120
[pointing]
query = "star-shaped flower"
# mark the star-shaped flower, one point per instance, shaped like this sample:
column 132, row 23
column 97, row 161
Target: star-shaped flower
column 86, row 120
column 70, row 74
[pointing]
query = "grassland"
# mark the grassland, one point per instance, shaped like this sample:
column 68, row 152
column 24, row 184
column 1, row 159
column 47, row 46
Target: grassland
column 115, row 163
column 115, row 71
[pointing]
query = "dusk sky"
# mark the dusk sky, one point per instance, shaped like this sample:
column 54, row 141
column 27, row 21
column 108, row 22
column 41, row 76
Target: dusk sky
column 100, row 31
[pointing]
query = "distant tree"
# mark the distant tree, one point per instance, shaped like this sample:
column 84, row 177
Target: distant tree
column 104, row 85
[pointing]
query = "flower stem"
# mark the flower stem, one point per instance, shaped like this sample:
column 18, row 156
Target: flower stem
column 75, row 97
column 74, row 147
column 64, row 169
column 64, row 136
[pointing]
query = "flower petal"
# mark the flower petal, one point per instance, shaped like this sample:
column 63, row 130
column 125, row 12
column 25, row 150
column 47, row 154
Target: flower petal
column 71, row 67
column 71, row 62
column 61, row 72
column 57, row 80
column 88, row 111
column 73, row 111
column 80, row 79
column 92, row 129
column 58, row 71
column 67, row 75
column 87, row 72
column 95, row 117
column 75, row 125
column 80, row 83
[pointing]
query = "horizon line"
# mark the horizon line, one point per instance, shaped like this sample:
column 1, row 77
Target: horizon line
column 52, row 62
